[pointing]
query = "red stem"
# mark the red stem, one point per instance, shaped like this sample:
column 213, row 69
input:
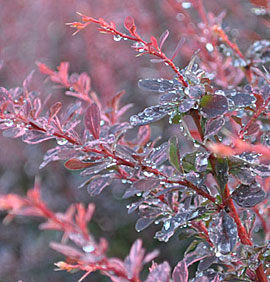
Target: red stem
column 242, row 233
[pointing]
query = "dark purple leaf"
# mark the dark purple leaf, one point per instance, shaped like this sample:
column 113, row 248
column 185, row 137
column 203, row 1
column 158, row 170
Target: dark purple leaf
column 248, row 196
column 92, row 120
column 170, row 225
column 240, row 99
column 180, row 272
column 262, row 170
column 258, row 49
column 158, row 155
column 208, row 276
column 196, row 91
column 124, row 152
column 169, row 97
column 97, row 184
column 174, row 153
column 213, row 126
column 213, row 106
column 223, row 232
column 151, row 114
column 156, row 85
column 163, row 38
column 160, row 273
column 265, row 139
column 186, row 105
column 141, row 185
column 194, row 178
column 143, row 223
column 206, row 262
column 222, row 168
column 202, row 279
column 243, row 174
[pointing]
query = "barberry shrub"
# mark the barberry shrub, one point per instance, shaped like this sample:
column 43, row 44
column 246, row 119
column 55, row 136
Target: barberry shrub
column 214, row 191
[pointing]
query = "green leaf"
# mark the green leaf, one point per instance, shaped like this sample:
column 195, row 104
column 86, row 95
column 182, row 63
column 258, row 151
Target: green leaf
column 174, row 153
column 188, row 161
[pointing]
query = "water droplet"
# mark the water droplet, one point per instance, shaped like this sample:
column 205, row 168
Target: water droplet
column 167, row 225
column 89, row 248
column 186, row 5
column 209, row 47
column 9, row 123
column 61, row 141
column 117, row 37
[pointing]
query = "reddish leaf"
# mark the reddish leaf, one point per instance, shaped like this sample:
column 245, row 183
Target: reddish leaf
column 154, row 42
column 92, row 120
column 97, row 184
column 130, row 24
column 159, row 273
column 261, row 3
column 54, row 109
column 180, row 273
column 75, row 164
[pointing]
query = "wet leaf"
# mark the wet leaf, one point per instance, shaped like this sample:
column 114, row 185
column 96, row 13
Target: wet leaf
column 248, row 196
column 95, row 168
column 196, row 91
column 169, row 97
column 223, row 232
column 213, row 126
column 262, row 170
column 97, row 184
column 206, row 263
column 92, row 120
column 186, row 105
column 180, row 272
column 173, row 223
column 240, row 99
column 151, row 114
column 158, row 155
column 213, row 106
column 174, row 153
column 156, row 85
column 201, row 161
column 143, row 223
column 35, row 137
column 141, row 185
column 244, row 174
column 259, row 50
